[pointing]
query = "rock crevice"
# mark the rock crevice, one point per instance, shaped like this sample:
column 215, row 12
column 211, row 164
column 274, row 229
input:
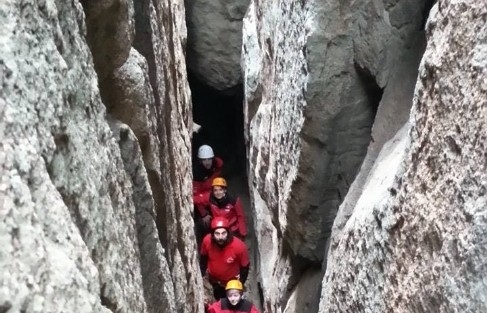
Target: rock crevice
column 416, row 235
column 326, row 84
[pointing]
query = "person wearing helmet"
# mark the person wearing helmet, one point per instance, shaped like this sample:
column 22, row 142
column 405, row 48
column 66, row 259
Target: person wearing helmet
column 223, row 257
column 205, row 169
column 220, row 203
column 233, row 301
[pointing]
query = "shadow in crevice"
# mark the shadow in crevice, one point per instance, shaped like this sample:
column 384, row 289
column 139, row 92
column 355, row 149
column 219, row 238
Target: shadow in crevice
column 426, row 11
column 373, row 90
column 220, row 114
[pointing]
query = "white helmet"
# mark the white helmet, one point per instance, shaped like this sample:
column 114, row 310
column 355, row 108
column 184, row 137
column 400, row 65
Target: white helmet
column 205, row 152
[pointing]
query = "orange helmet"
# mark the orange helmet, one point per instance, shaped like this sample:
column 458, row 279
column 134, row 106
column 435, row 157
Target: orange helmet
column 219, row 181
column 219, row 222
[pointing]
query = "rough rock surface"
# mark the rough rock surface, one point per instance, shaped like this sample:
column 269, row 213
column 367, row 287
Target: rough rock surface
column 416, row 238
column 161, row 37
column 273, row 135
column 68, row 221
column 128, row 96
column 315, row 74
column 77, row 212
column 110, row 31
column 158, row 286
column 215, row 41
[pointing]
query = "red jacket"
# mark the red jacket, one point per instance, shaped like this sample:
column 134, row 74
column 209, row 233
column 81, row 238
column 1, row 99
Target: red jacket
column 224, row 306
column 228, row 207
column 202, row 178
column 224, row 263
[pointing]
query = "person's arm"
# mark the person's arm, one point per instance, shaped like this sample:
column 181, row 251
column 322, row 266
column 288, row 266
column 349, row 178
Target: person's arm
column 217, row 172
column 244, row 264
column 201, row 201
column 244, row 273
column 196, row 187
column 213, row 308
column 204, row 256
column 218, row 166
column 203, row 264
column 242, row 227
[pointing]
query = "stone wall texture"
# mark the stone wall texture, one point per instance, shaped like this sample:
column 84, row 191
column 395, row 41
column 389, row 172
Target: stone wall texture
column 95, row 207
column 161, row 38
column 95, row 166
column 322, row 81
column 416, row 238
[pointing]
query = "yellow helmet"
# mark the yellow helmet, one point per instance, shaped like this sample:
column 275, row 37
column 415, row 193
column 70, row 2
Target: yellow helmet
column 219, row 181
column 234, row 284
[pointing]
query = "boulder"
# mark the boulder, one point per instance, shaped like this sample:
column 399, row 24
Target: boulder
column 415, row 238
column 215, row 41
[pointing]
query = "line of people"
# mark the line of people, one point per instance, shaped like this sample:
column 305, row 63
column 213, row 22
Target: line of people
column 220, row 231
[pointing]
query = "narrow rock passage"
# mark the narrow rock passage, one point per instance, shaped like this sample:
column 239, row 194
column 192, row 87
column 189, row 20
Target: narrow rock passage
column 220, row 115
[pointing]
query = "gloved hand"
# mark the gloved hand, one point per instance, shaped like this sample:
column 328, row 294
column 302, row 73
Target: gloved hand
column 206, row 220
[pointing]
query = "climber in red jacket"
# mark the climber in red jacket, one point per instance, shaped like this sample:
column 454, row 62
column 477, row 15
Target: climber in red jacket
column 223, row 257
column 220, row 203
column 205, row 170
column 233, row 302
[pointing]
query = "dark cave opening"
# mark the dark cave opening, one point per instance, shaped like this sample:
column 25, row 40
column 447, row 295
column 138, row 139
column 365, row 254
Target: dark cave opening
column 220, row 115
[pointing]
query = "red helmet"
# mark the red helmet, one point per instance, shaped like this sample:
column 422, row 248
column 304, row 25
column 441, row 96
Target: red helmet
column 219, row 222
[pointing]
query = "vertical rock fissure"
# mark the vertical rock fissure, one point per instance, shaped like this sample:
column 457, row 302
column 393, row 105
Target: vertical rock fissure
column 372, row 89
column 143, row 44
column 154, row 268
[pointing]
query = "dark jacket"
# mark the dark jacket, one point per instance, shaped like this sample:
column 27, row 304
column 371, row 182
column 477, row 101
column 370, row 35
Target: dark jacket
column 202, row 177
column 224, row 306
column 230, row 208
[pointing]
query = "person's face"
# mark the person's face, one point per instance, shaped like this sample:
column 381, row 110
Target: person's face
column 218, row 192
column 234, row 296
column 206, row 163
column 220, row 235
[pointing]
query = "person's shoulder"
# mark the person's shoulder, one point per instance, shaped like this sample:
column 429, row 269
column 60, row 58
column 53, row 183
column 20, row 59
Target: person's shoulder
column 218, row 162
column 239, row 243
column 206, row 240
column 231, row 199
column 215, row 305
